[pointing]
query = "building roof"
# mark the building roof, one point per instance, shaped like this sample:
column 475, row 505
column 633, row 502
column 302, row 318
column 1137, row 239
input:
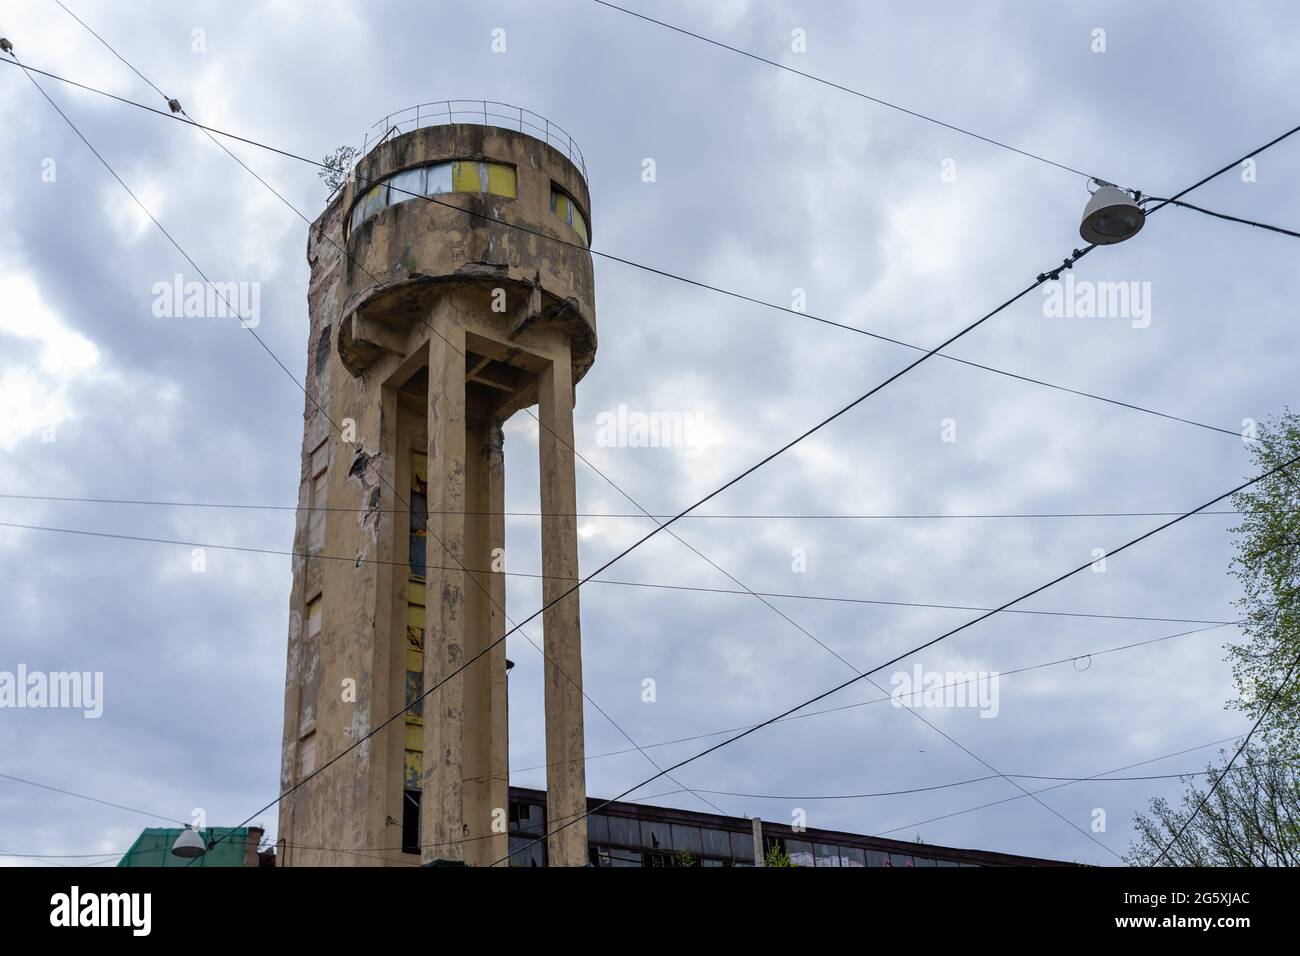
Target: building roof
column 152, row 848
column 810, row 841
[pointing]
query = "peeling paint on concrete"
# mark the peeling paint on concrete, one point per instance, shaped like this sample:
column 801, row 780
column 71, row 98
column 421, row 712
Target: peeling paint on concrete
column 418, row 264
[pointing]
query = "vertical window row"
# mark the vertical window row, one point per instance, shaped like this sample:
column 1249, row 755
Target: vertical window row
column 312, row 616
column 413, row 749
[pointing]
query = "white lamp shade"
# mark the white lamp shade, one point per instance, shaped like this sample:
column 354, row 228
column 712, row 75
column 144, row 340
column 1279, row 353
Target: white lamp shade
column 1111, row 216
column 189, row 844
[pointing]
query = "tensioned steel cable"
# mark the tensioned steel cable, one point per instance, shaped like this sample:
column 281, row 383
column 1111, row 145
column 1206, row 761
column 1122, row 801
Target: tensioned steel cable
column 844, row 89
column 811, row 798
column 82, row 796
column 947, row 634
column 1224, row 216
column 486, row 592
column 361, row 851
column 740, row 296
column 929, row 119
column 658, row 525
column 641, row 748
column 371, row 852
column 1084, row 655
column 239, row 506
column 1104, row 773
column 1206, row 797
column 1043, row 277
column 1068, row 263
column 612, row 483
column 147, row 539
column 326, row 416
column 1074, row 659
column 433, row 330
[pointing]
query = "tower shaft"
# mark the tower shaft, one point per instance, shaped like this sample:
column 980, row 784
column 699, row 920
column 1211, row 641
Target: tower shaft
column 432, row 322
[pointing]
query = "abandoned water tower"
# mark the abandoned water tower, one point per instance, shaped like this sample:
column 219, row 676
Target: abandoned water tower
column 433, row 320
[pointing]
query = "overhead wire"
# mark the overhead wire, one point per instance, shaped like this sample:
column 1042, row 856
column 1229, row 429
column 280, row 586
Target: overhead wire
column 1069, row 262
column 1082, row 393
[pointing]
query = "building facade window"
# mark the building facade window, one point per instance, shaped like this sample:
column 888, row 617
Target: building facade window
column 314, row 613
column 306, row 756
column 527, row 823
column 455, row 176
column 657, row 836
column 319, row 479
column 411, row 821
column 413, row 682
column 565, row 208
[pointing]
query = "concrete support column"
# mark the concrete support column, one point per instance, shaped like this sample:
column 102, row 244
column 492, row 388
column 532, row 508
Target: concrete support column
column 566, row 777
column 442, row 804
column 494, row 451
column 487, row 769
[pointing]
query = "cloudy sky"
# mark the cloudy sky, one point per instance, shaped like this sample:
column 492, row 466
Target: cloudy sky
column 765, row 183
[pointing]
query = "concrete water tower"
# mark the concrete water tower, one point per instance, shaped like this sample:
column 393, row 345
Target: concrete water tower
column 432, row 322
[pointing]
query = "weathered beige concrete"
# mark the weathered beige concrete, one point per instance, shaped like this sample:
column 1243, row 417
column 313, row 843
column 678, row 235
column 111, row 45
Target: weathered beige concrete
column 566, row 776
column 425, row 336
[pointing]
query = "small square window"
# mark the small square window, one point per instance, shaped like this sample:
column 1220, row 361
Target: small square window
column 314, row 614
column 306, row 756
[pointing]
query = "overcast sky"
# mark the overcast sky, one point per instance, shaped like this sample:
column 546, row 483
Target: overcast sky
column 765, row 183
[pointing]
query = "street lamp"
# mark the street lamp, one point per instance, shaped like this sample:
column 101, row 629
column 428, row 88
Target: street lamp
column 1112, row 215
column 189, row 844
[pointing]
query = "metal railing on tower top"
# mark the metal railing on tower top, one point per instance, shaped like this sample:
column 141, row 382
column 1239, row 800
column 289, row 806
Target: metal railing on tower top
column 483, row 112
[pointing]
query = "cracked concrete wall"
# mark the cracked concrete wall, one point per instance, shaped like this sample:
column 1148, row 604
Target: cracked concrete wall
column 452, row 239
column 331, row 700
column 410, row 266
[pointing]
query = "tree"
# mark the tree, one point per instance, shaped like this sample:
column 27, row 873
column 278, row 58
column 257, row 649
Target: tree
column 777, row 856
column 1252, row 819
column 1250, row 814
column 338, row 166
column 1267, row 565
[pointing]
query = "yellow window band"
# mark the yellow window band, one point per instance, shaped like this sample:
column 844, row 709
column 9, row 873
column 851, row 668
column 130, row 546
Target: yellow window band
column 501, row 180
column 459, row 176
column 567, row 210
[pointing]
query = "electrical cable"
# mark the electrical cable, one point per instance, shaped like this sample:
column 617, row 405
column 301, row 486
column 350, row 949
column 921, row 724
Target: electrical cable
column 1068, row 263
column 358, row 561
column 1025, row 596
column 1058, row 786
column 69, row 499
column 844, row 89
column 176, row 108
column 1220, row 215
column 1120, row 403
